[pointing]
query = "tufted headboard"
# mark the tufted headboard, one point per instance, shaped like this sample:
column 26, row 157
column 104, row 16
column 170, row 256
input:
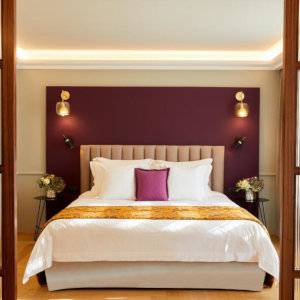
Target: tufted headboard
column 160, row 152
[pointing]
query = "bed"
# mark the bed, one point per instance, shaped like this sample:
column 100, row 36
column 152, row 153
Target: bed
column 135, row 253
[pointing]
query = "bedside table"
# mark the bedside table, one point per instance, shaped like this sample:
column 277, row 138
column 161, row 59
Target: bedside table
column 252, row 207
column 256, row 208
column 41, row 209
column 62, row 201
column 51, row 206
column 261, row 208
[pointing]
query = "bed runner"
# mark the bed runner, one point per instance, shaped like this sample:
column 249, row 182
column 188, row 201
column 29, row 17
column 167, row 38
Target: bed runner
column 156, row 213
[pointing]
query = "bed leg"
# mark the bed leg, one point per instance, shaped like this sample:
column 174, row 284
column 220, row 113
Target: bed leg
column 41, row 277
column 269, row 281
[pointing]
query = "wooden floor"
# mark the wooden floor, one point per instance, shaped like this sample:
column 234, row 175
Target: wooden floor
column 32, row 290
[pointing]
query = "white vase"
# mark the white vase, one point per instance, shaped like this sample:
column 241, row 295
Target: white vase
column 50, row 194
column 250, row 196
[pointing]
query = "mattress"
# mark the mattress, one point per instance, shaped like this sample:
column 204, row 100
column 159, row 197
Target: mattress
column 119, row 240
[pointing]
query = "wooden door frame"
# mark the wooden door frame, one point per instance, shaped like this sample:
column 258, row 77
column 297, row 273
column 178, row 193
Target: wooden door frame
column 288, row 169
column 8, row 168
column 288, row 150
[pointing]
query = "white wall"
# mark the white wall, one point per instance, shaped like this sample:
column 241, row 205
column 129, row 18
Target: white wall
column 31, row 120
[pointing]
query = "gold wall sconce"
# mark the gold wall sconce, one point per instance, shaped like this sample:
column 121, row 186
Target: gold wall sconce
column 241, row 108
column 63, row 107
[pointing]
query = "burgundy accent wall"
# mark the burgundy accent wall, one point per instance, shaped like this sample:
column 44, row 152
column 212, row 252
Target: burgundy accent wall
column 152, row 115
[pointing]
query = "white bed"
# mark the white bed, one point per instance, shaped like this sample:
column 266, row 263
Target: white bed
column 78, row 253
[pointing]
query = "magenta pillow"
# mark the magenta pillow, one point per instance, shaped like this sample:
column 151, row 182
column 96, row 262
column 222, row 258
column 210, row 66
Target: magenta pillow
column 151, row 185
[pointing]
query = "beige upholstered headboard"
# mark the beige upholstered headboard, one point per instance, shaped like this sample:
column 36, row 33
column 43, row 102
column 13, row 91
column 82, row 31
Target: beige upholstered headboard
column 162, row 152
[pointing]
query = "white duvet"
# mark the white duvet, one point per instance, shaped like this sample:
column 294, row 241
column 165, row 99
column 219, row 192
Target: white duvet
column 81, row 240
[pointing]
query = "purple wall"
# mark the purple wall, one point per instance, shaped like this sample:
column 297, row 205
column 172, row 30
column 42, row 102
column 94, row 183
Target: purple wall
column 152, row 115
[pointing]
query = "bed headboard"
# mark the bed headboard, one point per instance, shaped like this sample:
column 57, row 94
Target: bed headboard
column 163, row 152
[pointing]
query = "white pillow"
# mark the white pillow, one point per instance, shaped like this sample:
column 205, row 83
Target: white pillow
column 188, row 182
column 114, row 179
column 97, row 173
column 160, row 164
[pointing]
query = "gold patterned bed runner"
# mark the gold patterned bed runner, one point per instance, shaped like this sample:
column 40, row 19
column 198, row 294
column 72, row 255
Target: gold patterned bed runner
column 156, row 213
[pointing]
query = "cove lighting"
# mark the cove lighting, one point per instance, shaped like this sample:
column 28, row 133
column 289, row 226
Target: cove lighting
column 145, row 57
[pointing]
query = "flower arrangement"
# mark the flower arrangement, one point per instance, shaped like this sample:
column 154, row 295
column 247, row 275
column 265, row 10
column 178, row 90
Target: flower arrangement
column 250, row 186
column 52, row 184
column 253, row 183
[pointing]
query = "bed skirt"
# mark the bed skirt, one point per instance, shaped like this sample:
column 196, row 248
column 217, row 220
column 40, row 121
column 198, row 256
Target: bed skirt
column 180, row 275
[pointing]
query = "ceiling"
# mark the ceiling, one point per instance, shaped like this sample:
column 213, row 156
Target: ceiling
column 139, row 25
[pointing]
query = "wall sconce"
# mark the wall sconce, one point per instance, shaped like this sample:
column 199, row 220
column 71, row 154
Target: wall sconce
column 238, row 142
column 241, row 108
column 69, row 141
column 63, row 107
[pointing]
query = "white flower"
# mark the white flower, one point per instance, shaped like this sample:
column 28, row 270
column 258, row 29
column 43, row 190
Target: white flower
column 46, row 181
column 243, row 184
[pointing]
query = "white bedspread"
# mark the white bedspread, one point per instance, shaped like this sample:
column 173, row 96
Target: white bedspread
column 79, row 240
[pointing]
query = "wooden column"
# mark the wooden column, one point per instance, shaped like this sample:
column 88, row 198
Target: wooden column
column 288, row 149
column 8, row 87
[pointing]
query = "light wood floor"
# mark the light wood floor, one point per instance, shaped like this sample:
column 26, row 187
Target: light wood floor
column 33, row 290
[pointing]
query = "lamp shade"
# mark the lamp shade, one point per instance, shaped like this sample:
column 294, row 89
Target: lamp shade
column 63, row 108
column 241, row 109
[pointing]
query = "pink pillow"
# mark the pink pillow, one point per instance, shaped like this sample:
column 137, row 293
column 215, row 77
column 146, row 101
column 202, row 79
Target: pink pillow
column 151, row 185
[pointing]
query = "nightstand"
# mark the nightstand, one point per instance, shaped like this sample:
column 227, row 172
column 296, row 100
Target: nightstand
column 261, row 208
column 41, row 209
column 50, row 207
column 252, row 207
column 256, row 208
column 62, row 201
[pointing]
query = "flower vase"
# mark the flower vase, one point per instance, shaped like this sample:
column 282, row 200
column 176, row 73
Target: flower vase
column 50, row 194
column 250, row 196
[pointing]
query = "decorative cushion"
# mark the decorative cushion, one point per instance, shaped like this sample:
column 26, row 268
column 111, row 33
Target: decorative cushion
column 151, row 185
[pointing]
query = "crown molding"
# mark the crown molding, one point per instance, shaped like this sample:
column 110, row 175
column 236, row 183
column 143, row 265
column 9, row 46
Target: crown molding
column 121, row 66
column 270, row 59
